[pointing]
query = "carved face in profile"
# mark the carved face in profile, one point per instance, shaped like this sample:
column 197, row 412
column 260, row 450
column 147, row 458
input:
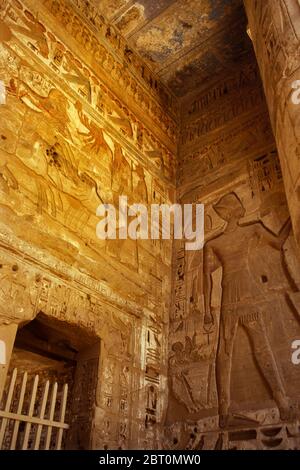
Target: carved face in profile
column 229, row 207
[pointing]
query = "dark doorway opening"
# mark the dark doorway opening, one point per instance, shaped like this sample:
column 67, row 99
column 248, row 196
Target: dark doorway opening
column 60, row 353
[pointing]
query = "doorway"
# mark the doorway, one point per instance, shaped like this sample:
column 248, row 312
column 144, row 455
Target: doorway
column 50, row 392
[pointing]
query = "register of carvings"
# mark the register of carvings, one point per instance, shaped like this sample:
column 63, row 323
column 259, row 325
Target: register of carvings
column 68, row 143
column 274, row 29
column 234, row 309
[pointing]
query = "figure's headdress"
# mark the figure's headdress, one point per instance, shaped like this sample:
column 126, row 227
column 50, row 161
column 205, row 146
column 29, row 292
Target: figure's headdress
column 229, row 206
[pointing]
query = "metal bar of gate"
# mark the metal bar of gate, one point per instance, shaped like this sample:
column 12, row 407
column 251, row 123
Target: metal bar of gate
column 39, row 421
column 51, row 416
column 42, row 414
column 19, row 411
column 30, row 413
column 63, row 407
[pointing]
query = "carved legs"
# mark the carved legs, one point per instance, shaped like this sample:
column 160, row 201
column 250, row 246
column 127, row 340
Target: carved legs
column 228, row 327
column 264, row 356
column 267, row 364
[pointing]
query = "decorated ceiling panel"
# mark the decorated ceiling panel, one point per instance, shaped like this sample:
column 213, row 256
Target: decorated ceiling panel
column 186, row 42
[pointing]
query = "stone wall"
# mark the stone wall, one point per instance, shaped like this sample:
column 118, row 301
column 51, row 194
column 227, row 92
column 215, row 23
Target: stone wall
column 235, row 308
column 274, row 29
column 85, row 122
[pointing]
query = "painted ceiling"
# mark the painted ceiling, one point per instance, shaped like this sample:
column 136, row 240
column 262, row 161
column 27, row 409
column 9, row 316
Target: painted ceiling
column 186, row 42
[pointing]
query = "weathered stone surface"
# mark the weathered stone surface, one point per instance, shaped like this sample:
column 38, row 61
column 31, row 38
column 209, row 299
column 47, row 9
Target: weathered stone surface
column 67, row 144
column 186, row 42
column 232, row 324
column 275, row 33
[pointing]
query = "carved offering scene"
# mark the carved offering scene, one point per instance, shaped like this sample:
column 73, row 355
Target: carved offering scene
column 149, row 225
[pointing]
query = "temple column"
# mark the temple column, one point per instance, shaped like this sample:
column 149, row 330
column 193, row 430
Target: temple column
column 274, row 27
column 7, row 339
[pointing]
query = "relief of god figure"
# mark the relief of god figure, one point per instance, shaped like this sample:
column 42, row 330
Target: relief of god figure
column 243, row 301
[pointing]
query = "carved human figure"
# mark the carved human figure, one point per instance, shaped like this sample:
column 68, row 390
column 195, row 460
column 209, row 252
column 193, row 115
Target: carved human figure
column 35, row 31
column 140, row 189
column 179, row 383
column 94, row 142
column 243, row 300
column 183, row 377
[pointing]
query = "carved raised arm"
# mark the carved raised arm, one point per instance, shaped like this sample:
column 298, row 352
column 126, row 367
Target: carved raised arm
column 277, row 241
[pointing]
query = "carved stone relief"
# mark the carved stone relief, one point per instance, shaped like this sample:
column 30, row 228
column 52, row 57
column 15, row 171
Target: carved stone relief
column 70, row 141
column 275, row 33
column 234, row 316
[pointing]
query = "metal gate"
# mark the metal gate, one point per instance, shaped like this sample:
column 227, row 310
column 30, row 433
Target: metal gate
column 42, row 424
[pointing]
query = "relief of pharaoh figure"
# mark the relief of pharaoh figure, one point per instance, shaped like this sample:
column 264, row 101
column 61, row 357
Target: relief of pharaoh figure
column 243, row 301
